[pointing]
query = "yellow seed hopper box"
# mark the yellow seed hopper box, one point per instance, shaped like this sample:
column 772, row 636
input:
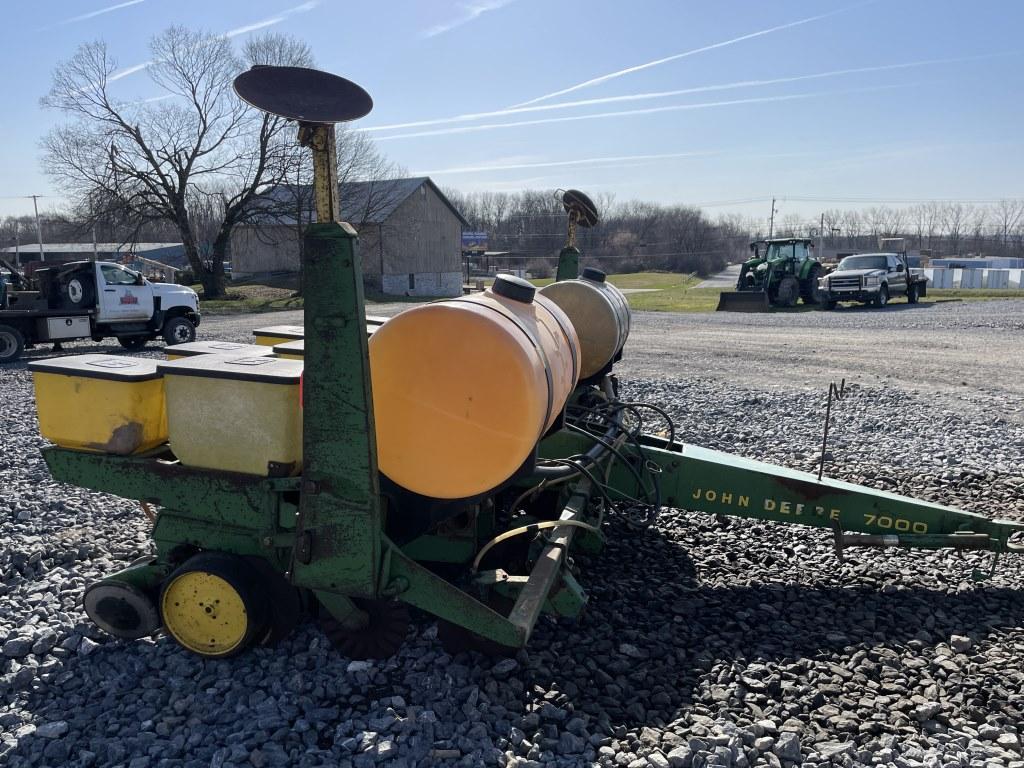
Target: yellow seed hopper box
column 296, row 350
column 291, row 350
column 236, row 414
column 278, row 334
column 101, row 403
column 229, row 348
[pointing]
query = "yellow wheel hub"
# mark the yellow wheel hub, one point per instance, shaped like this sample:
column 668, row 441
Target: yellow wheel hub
column 205, row 613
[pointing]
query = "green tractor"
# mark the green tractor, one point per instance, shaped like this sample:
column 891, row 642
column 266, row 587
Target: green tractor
column 779, row 273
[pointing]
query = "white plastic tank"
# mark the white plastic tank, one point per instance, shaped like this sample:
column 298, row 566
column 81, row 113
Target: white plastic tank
column 600, row 314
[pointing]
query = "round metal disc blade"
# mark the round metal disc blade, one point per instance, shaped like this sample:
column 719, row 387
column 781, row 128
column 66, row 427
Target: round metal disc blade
column 576, row 202
column 303, row 94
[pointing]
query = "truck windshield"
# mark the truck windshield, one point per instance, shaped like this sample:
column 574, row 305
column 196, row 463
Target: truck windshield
column 863, row 262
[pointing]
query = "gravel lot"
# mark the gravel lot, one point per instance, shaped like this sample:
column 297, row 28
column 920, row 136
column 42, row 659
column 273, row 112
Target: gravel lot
column 704, row 644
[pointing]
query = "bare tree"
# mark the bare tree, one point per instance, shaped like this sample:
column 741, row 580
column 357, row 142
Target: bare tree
column 1007, row 214
column 197, row 147
column 954, row 219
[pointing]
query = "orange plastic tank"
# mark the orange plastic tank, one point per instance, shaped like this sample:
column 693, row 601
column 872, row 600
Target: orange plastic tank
column 463, row 389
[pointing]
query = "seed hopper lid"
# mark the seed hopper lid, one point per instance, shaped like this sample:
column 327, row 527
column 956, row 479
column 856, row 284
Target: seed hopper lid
column 307, row 95
column 217, row 348
column 258, row 368
column 281, row 331
column 108, row 367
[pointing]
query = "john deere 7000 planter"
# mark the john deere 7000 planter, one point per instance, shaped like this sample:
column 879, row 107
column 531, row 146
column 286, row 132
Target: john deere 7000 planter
column 450, row 461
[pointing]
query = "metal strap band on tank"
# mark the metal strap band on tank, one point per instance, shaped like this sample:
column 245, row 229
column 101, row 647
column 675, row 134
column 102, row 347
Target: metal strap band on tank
column 535, row 342
column 568, row 338
column 616, row 300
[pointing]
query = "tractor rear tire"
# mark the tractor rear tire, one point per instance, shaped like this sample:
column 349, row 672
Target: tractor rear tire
column 12, row 344
column 809, row 290
column 788, row 292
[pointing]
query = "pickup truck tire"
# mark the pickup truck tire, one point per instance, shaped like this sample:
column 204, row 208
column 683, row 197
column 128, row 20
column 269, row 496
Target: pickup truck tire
column 133, row 343
column 78, row 292
column 830, row 304
column 179, row 330
column 12, row 343
column 912, row 294
column 883, row 296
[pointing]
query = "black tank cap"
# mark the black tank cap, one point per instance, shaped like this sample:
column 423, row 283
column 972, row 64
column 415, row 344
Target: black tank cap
column 590, row 273
column 515, row 288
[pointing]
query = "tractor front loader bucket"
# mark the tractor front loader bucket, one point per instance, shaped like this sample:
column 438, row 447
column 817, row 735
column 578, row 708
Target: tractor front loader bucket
column 743, row 301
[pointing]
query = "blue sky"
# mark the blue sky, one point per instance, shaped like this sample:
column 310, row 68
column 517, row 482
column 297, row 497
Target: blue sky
column 949, row 125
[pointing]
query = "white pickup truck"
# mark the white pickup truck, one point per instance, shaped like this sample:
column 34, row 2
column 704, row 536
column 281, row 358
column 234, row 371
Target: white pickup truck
column 91, row 300
column 872, row 278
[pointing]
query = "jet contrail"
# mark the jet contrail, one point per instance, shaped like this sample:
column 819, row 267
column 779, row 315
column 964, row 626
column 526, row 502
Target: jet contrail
column 302, row 8
column 560, row 163
column 684, row 54
column 282, row 16
column 469, row 117
column 100, row 12
column 625, row 113
column 128, row 71
column 470, row 12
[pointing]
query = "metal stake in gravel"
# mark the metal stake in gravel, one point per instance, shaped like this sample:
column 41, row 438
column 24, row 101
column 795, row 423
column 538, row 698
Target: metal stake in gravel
column 239, row 555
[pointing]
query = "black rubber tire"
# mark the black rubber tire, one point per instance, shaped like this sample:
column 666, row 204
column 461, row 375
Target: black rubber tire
column 882, row 298
column 179, row 330
column 912, row 294
column 830, row 304
column 78, row 292
column 243, row 578
column 12, row 344
column 132, row 343
column 809, row 290
column 285, row 602
column 788, row 292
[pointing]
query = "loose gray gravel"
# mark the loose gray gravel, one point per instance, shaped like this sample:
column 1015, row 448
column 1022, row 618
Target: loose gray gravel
column 704, row 644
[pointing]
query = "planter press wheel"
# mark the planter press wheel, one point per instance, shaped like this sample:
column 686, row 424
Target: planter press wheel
column 214, row 605
column 382, row 636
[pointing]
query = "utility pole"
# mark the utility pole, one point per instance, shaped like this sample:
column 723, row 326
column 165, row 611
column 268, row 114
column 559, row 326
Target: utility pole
column 39, row 228
column 17, row 244
column 821, row 237
column 771, row 221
